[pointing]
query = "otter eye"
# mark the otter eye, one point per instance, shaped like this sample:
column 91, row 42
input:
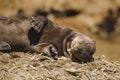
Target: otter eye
column 79, row 50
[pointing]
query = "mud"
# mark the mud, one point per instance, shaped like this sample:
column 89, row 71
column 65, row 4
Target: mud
column 28, row 66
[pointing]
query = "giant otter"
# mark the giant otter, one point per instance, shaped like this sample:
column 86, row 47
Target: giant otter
column 36, row 33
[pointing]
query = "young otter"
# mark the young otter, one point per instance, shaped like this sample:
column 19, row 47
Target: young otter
column 37, row 33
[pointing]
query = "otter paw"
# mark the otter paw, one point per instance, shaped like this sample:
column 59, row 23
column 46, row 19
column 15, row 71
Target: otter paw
column 38, row 22
column 51, row 51
column 4, row 47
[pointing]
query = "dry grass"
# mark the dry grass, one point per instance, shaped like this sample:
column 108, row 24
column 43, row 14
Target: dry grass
column 26, row 66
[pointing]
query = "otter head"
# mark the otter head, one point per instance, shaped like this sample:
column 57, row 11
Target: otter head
column 81, row 49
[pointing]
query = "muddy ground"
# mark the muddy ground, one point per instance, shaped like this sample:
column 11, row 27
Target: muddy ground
column 26, row 66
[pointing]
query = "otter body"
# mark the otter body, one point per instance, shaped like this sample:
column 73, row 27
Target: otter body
column 38, row 32
column 14, row 33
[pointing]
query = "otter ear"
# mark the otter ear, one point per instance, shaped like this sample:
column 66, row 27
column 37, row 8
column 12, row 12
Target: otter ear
column 38, row 23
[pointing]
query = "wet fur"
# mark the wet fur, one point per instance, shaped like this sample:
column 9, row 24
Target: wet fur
column 36, row 33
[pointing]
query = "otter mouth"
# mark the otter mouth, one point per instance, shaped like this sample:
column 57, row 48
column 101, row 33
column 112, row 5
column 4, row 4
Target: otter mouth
column 82, row 59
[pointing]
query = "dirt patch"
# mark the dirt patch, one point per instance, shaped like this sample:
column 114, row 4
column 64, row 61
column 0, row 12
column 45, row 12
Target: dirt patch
column 26, row 66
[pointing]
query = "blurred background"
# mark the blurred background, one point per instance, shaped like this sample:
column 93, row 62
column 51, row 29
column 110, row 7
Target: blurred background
column 99, row 19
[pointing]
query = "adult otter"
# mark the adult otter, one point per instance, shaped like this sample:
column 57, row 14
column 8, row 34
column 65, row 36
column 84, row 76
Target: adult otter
column 39, row 32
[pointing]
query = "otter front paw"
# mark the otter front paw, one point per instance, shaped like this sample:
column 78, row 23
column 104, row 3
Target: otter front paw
column 51, row 51
column 38, row 23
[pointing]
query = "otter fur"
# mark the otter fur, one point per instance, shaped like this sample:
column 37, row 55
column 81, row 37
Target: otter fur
column 37, row 33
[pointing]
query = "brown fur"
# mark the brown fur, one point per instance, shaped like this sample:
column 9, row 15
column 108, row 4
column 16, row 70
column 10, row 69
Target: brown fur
column 36, row 33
